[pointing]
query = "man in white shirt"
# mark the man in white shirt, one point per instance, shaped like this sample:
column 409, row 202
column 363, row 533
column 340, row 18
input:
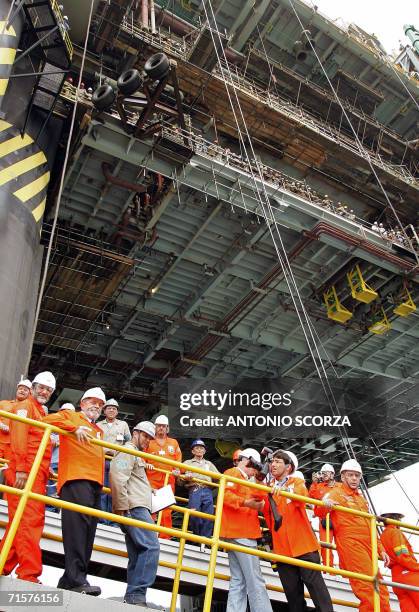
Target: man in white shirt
column 200, row 495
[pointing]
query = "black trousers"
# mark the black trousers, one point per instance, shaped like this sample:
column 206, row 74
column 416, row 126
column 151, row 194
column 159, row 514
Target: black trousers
column 78, row 531
column 294, row 578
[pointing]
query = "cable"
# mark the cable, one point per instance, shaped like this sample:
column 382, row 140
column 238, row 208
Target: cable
column 345, row 438
column 359, row 144
column 61, row 187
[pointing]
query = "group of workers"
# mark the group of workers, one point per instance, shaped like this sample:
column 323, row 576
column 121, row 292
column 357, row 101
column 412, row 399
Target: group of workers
column 83, row 470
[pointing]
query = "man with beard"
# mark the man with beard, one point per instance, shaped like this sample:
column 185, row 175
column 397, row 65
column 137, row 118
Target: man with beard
column 80, row 481
column 25, row 553
column 131, row 496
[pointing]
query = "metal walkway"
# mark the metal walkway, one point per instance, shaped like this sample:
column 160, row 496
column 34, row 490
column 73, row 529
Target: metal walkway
column 109, row 550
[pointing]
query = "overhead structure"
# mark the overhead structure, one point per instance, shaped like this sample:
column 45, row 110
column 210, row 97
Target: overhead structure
column 162, row 262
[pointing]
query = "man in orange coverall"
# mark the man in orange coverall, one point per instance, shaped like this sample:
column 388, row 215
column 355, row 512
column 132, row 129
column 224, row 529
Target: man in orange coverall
column 403, row 564
column 163, row 446
column 80, row 481
column 23, row 390
column 322, row 484
column 240, row 525
column 295, row 537
column 25, row 553
column 352, row 536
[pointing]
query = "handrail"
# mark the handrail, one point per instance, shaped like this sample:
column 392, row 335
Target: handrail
column 214, row 542
column 184, row 568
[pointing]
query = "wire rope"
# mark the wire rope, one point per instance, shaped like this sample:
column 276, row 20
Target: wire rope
column 61, row 186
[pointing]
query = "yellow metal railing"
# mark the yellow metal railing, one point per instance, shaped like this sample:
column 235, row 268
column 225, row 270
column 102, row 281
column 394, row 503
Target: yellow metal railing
column 182, row 534
column 62, row 27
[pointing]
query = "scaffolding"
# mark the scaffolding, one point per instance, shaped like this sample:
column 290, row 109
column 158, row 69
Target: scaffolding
column 231, row 74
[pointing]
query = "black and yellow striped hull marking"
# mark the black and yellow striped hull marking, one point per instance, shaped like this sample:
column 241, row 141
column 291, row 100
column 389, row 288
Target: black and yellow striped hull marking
column 8, row 44
column 23, row 169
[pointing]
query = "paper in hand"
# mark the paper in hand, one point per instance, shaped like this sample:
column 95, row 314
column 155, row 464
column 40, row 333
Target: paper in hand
column 162, row 498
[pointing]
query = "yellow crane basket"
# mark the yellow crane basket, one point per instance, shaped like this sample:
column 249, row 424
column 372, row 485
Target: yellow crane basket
column 359, row 288
column 407, row 306
column 335, row 310
column 380, row 323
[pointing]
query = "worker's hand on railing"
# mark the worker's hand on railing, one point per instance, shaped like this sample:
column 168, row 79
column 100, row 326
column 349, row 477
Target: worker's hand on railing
column 149, row 466
column 329, row 503
column 20, row 481
column 255, row 504
column 4, row 427
column 176, row 472
column 188, row 475
column 82, row 434
column 384, row 557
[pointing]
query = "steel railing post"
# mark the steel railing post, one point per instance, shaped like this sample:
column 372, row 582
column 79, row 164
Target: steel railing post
column 214, row 545
column 179, row 563
column 374, row 562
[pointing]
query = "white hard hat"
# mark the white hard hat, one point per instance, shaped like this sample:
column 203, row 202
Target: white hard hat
column 147, row 427
column 24, row 383
column 45, row 378
column 250, row 453
column 293, row 459
column 95, row 392
column 111, row 402
column 67, row 406
column 351, row 465
column 327, row 468
column 299, row 474
column 161, row 420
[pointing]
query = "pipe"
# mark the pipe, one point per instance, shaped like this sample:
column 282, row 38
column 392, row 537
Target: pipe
column 413, row 35
column 159, row 188
column 152, row 17
column 106, row 169
column 325, row 228
column 144, row 14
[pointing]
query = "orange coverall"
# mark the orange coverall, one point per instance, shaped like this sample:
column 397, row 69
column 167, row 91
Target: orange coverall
column 5, row 405
column 25, row 552
column 317, row 491
column 237, row 520
column 77, row 461
column 353, row 542
column 168, row 448
column 404, row 567
column 295, row 537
